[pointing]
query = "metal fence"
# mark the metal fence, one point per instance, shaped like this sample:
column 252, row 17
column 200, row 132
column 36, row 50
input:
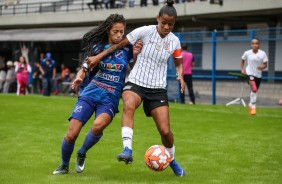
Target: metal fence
column 217, row 53
column 57, row 6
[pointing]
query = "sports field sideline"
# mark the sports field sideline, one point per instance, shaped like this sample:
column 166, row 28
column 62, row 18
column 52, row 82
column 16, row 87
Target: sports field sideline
column 214, row 144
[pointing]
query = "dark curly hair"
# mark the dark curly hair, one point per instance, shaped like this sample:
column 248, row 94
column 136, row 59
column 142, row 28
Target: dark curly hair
column 99, row 35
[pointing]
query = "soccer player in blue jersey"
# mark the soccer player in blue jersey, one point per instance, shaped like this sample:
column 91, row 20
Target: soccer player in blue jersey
column 103, row 92
column 147, row 80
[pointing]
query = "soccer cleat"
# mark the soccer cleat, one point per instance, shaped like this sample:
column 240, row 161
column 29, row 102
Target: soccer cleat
column 178, row 171
column 253, row 111
column 62, row 169
column 125, row 156
column 80, row 162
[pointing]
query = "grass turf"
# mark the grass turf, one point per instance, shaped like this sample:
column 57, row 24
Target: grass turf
column 214, row 144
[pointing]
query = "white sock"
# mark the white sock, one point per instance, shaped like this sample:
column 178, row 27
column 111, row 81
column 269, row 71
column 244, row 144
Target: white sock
column 171, row 151
column 127, row 134
column 253, row 99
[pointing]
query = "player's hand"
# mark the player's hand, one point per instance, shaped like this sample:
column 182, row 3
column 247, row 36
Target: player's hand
column 243, row 71
column 137, row 47
column 182, row 84
column 77, row 81
column 260, row 68
column 92, row 61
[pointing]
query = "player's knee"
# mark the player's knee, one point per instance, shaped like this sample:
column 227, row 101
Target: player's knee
column 97, row 130
column 128, row 107
column 70, row 138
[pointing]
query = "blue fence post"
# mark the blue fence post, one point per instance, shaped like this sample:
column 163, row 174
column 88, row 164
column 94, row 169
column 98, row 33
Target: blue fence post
column 180, row 37
column 214, row 67
column 253, row 34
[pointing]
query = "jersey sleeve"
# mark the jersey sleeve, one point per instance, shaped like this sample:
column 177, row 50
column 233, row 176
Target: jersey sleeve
column 265, row 58
column 244, row 56
column 137, row 34
column 177, row 51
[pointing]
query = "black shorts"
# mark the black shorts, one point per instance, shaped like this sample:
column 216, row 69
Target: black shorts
column 253, row 78
column 152, row 98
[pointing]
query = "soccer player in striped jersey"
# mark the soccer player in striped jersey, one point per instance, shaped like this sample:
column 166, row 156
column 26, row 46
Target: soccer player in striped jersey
column 256, row 62
column 103, row 92
column 147, row 80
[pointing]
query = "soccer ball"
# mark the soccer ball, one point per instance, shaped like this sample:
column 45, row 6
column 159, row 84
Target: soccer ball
column 157, row 158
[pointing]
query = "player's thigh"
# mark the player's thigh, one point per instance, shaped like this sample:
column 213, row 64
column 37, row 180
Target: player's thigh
column 131, row 100
column 253, row 84
column 161, row 117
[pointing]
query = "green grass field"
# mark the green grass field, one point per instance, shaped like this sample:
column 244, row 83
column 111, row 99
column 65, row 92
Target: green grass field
column 214, row 144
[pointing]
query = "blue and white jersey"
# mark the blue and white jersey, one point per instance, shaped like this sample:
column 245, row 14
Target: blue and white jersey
column 105, row 86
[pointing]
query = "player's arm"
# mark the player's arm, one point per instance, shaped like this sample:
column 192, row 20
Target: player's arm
column 41, row 69
column 92, row 61
column 78, row 79
column 242, row 66
column 263, row 66
column 137, row 47
column 54, row 73
column 179, row 70
column 193, row 61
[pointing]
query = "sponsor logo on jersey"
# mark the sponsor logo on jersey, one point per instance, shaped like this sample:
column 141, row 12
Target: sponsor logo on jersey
column 166, row 45
column 158, row 46
column 104, row 86
column 108, row 77
column 112, row 67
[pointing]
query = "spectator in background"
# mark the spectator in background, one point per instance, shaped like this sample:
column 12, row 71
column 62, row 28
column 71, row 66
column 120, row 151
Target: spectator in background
column 188, row 63
column 2, row 76
column 65, row 76
column 131, row 3
column 37, row 78
column 95, row 3
column 22, row 71
column 10, row 77
column 10, row 3
column 47, row 69
column 143, row 3
column 49, row 57
column 106, row 3
column 155, row 2
column 2, row 62
column 41, row 57
column 112, row 3
column 53, row 63
column 119, row 3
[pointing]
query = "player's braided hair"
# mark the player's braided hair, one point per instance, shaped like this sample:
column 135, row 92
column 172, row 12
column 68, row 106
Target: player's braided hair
column 99, row 35
column 168, row 9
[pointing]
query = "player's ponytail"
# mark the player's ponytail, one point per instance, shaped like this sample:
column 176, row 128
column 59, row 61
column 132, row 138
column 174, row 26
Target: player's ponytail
column 168, row 9
column 169, row 2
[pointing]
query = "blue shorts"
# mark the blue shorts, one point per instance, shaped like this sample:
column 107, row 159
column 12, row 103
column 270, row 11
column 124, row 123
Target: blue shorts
column 84, row 109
